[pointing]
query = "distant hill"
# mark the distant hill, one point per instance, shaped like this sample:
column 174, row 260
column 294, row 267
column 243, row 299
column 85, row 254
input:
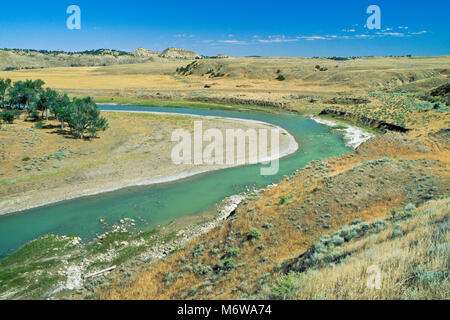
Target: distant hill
column 17, row 59
column 175, row 53
column 141, row 52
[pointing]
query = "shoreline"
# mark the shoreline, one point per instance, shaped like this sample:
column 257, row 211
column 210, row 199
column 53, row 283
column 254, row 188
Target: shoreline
column 290, row 149
column 354, row 136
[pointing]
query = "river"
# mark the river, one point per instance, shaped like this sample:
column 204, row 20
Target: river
column 158, row 204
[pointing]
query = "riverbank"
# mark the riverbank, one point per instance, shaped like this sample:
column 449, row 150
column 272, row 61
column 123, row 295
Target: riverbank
column 353, row 136
column 131, row 157
column 387, row 176
column 135, row 255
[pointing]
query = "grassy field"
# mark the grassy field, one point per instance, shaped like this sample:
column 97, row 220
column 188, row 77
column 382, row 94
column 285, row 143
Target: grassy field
column 252, row 77
column 238, row 82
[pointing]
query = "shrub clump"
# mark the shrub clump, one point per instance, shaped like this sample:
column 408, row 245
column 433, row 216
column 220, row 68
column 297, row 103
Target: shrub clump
column 397, row 232
column 337, row 240
column 227, row 263
column 286, row 287
column 233, row 252
column 9, row 116
column 201, row 270
column 410, row 207
column 199, row 250
column 253, row 234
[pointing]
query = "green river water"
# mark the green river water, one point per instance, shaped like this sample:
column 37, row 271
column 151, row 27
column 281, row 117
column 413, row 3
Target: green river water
column 162, row 203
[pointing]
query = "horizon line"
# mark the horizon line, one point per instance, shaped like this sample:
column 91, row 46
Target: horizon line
column 205, row 56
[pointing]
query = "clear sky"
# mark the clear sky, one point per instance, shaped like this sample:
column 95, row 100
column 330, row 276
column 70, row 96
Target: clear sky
column 239, row 28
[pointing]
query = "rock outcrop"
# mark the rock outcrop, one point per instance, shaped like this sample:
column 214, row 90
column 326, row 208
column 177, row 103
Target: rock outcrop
column 175, row 53
column 141, row 52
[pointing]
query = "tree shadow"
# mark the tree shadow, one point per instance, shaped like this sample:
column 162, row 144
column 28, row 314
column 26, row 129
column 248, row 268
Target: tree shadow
column 68, row 135
column 51, row 126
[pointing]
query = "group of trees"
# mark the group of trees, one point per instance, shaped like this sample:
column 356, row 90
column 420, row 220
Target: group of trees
column 81, row 114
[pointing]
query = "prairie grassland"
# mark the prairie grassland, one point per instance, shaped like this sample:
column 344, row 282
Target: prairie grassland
column 385, row 89
column 252, row 78
column 412, row 255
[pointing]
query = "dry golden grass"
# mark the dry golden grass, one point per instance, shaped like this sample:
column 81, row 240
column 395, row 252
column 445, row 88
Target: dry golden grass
column 245, row 78
column 413, row 266
column 124, row 128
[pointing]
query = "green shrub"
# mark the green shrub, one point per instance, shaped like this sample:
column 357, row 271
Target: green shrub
column 8, row 116
column 228, row 263
column 379, row 225
column 397, row 232
column 287, row 287
column 337, row 240
column 321, row 247
column 267, row 225
column 233, row 252
column 187, row 268
column 283, row 199
column 281, row 77
column 199, row 250
column 348, row 232
column 169, row 277
column 325, row 240
column 253, row 233
column 201, row 270
column 410, row 207
column 59, row 155
column 431, row 276
column 24, row 159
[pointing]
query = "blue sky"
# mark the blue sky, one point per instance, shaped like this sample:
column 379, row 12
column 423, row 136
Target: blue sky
column 238, row 28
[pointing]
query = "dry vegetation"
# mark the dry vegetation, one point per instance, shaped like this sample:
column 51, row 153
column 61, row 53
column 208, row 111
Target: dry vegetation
column 244, row 79
column 412, row 255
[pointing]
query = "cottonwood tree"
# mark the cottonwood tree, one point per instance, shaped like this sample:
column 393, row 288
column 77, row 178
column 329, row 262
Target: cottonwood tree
column 25, row 93
column 61, row 109
column 5, row 84
column 85, row 117
column 47, row 100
